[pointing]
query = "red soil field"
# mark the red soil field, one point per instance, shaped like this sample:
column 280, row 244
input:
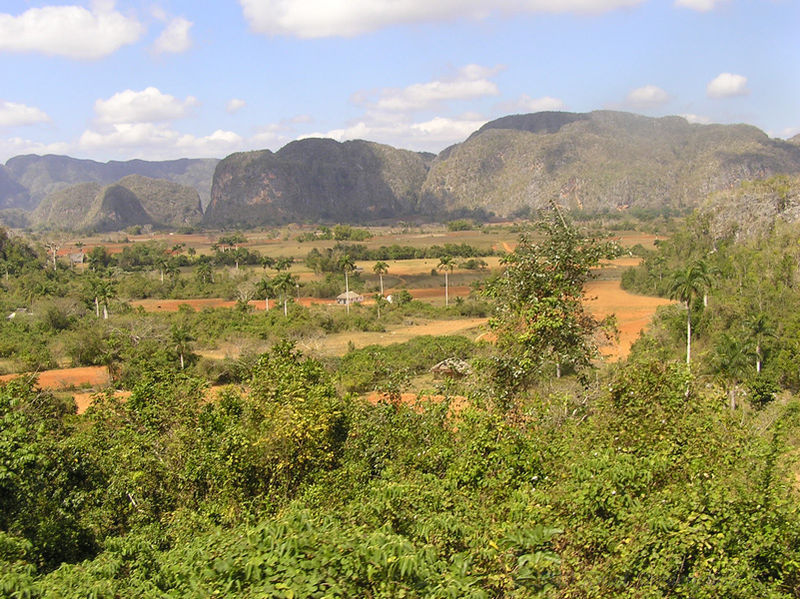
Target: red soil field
column 66, row 378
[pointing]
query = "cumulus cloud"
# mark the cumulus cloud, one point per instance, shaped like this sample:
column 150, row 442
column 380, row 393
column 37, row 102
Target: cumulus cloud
column 15, row 115
column 158, row 141
column 698, row 5
column 70, row 31
column 648, row 96
column 527, row 104
column 727, row 85
column 235, row 105
column 146, row 106
column 697, row 119
column 347, row 18
column 175, row 38
column 432, row 134
column 469, row 82
column 14, row 146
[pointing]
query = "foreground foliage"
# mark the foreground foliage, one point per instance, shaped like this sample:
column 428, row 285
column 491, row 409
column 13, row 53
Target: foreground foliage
column 289, row 490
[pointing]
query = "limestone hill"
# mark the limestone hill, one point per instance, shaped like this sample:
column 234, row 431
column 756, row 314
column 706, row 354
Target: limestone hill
column 319, row 180
column 600, row 161
column 39, row 176
column 134, row 200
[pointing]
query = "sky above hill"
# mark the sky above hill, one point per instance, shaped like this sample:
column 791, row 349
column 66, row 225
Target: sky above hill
column 159, row 79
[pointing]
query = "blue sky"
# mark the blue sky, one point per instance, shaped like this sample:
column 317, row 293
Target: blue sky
column 160, row 79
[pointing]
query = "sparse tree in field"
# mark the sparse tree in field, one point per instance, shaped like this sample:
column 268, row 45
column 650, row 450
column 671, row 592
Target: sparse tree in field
column 686, row 285
column 380, row 302
column 161, row 264
column 267, row 262
column 181, row 338
column 52, row 249
column 204, row 272
column 539, row 315
column 283, row 263
column 105, row 290
column 265, row 289
column 380, row 269
column 284, row 283
column 446, row 264
column 347, row 266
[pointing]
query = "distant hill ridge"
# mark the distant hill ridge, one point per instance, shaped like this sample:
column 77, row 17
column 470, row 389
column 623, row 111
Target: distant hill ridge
column 133, row 200
column 34, row 177
column 596, row 161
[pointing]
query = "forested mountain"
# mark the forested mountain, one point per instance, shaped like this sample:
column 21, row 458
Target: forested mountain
column 598, row 161
column 133, row 200
column 317, row 179
column 39, row 176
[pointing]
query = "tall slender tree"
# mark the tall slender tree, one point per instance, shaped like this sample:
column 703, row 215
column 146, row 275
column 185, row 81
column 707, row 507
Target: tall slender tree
column 686, row 285
column 284, row 283
column 265, row 288
column 347, row 266
column 446, row 264
column 380, row 269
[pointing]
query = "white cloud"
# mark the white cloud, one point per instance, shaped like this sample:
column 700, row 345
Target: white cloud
column 347, row 18
column 469, row 82
column 14, row 146
column 527, row 104
column 235, row 105
column 698, row 5
column 14, row 115
column 146, row 106
column 648, row 96
column 727, row 85
column 175, row 38
column 71, row 31
column 159, row 141
column 431, row 135
column 696, row 118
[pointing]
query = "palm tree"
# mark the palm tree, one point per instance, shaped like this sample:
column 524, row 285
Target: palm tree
column 105, row 290
column 284, row 282
column 283, row 263
column 447, row 264
column 380, row 269
column 347, row 265
column 267, row 262
column 181, row 337
column 685, row 286
column 264, row 288
column 161, row 264
column 203, row 272
column 730, row 360
column 759, row 330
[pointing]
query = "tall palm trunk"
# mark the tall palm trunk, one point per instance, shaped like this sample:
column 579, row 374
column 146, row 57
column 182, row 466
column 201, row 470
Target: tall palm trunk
column 346, row 292
column 688, row 334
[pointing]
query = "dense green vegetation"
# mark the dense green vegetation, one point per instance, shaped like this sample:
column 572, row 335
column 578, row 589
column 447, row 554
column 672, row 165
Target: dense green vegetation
column 630, row 480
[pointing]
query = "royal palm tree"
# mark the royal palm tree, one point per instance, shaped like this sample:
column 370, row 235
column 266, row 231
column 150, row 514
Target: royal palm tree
column 446, row 264
column 685, row 286
column 284, row 283
column 759, row 330
column 265, row 288
column 346, row 265
column 730, row 360
column 181, row 338
column 380, row 269
column 105, row 290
